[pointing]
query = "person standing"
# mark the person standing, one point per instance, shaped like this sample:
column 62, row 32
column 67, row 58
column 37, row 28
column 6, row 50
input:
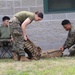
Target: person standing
column 18, row 23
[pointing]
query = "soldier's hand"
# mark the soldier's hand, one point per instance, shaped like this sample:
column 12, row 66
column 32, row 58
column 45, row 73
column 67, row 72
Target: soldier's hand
column 62, row 49
column 25, row 37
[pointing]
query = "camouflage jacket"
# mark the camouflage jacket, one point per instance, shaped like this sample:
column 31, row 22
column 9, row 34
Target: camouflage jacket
column 70, row 39
column 5, row 32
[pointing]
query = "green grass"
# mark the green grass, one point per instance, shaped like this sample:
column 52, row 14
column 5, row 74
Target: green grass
column 49, row 66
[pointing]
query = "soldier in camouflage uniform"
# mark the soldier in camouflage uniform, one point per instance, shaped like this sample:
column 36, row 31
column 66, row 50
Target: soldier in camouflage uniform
column 5, row 33
column 18, row 23
column 70, row 41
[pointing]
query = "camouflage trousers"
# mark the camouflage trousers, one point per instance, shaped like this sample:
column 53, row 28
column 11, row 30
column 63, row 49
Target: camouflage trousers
column 18, row 45
column 72, row 50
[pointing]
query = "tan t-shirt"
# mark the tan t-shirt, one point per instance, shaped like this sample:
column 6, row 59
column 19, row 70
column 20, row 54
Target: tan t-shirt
column 23, row 15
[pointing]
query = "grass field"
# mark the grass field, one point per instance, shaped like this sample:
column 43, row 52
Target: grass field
column 49, row 66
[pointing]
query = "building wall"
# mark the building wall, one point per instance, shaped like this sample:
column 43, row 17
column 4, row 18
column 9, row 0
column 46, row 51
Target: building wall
column 48, row 33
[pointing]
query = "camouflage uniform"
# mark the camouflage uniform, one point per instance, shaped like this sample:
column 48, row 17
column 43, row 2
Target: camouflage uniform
column 5, row 35
column 70, row 41
column 17, row 34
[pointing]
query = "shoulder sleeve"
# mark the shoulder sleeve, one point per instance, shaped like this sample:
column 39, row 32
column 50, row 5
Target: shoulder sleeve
column 32, row 17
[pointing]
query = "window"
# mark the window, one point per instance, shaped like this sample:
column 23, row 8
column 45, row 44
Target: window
column 59, row 6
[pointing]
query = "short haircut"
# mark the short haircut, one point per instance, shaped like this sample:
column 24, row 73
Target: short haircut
column 5, row 18
column 40, row 14
column 64, row 22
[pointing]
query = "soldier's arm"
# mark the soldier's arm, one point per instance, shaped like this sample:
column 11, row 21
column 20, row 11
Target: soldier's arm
column 23, row 26
column 70, row 40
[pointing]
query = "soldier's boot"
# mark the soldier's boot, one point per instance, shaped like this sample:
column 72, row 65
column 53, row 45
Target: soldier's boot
column 15, row 56
column 23, row 58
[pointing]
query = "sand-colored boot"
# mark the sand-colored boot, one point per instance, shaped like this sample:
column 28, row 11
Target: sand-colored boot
column 23, row 58
column 15, row 56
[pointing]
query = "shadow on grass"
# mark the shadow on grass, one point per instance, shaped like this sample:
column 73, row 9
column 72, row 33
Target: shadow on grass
column 6, row 60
